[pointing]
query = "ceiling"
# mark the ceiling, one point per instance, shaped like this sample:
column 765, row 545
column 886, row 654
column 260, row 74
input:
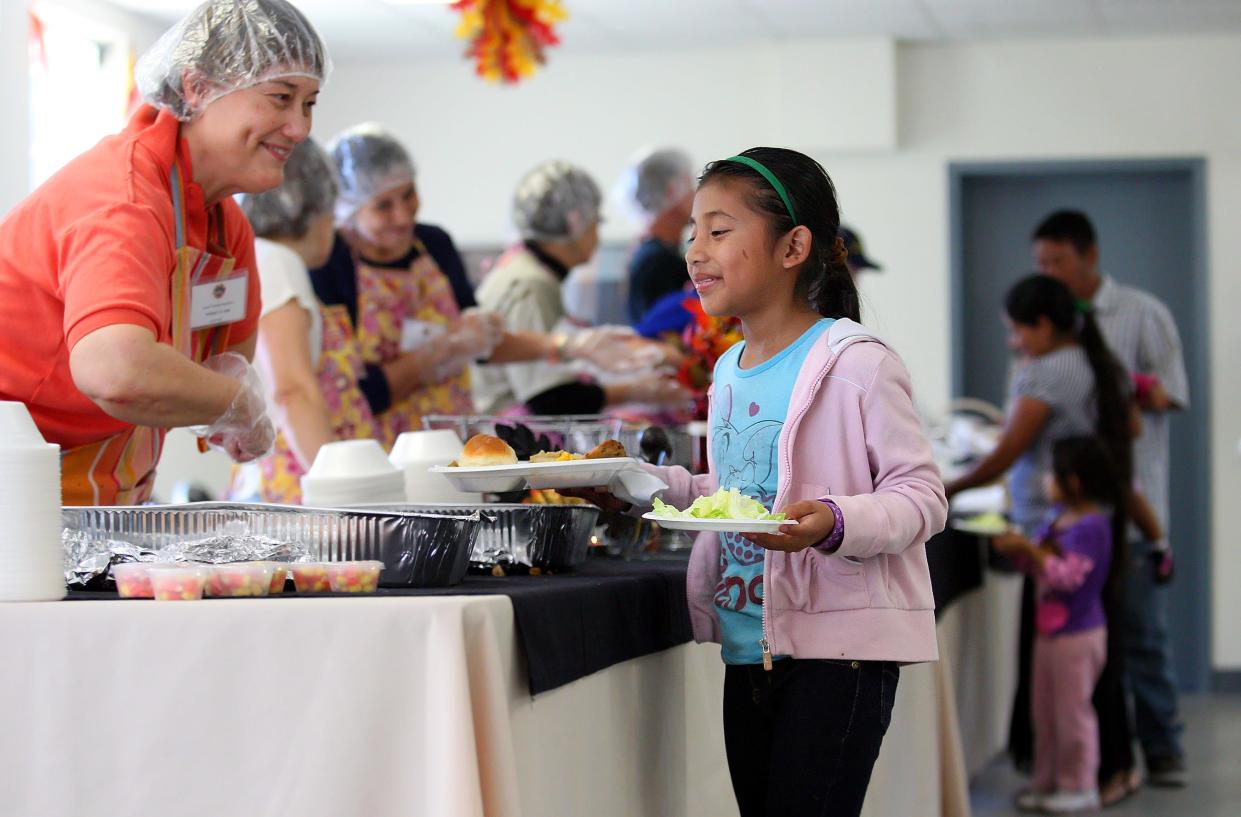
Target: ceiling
column 390, row 29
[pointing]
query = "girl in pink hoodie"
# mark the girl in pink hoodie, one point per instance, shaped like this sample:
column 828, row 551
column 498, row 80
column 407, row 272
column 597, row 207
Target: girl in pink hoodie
column 813, row 415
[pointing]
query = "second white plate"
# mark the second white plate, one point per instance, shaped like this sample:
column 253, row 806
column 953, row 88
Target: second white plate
column 720, row 525
column 567, row 474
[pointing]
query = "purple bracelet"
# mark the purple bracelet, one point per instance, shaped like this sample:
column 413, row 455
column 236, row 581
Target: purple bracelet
column 833, row 540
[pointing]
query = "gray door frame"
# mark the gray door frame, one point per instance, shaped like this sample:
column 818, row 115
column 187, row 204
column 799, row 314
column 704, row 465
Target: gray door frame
column 959, row 173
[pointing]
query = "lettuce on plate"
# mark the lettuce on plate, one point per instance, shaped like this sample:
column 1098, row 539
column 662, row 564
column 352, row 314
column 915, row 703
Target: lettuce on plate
column 726, row 503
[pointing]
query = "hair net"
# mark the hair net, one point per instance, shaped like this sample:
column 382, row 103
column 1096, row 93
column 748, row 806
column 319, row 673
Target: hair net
column 555, row 201
column 309, row 190
column 369, row 160
column 653, row 182
column 229, row 45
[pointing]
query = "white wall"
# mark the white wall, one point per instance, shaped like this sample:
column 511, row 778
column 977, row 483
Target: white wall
column 1001, row 100
column 15, row 103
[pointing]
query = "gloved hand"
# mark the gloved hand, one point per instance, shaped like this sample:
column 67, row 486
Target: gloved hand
column 476, row 335
column 614, row 349
column 243, row 431
column 657, row 390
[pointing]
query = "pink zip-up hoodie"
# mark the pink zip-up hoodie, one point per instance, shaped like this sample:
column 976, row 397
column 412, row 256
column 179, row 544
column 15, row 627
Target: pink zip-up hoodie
column 852, row 436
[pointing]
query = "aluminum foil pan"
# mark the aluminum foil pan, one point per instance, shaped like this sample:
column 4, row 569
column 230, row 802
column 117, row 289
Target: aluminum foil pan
column 417, row 549
column 552, row 537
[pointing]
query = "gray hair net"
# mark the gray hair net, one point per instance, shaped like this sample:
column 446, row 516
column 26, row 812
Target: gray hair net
column 653, row 182
column 309, row 191
column 225, row 46
column 369, row 160
column 555, row 201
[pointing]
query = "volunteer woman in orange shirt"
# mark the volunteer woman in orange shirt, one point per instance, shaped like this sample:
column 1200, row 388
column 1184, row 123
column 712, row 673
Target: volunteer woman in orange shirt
column 128, row 292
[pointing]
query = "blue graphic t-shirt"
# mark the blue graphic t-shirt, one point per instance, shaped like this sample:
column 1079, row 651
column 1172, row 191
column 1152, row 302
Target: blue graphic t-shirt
column 749, row 410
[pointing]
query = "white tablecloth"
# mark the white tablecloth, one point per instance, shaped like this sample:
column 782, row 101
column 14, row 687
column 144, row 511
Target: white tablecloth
column 382, row 706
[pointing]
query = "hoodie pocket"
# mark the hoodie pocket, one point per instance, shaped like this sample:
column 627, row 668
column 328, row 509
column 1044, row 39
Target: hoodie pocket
column 835, row 583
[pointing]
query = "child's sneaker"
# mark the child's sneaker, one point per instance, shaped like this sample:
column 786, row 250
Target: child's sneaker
column 1031, row 800
column 1071, row 802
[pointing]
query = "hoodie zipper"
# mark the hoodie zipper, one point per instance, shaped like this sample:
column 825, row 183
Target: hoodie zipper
column 765, row 642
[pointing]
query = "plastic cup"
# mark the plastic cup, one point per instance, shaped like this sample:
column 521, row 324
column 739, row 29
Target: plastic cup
column 351, row 458
column 177, row 583
column 239, row 579
column 310, row 577
column 279, row 575
column 132, row 581
column 354, row 577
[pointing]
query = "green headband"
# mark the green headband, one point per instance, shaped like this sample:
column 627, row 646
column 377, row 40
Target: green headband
column 1083, row 306
column 758, row 167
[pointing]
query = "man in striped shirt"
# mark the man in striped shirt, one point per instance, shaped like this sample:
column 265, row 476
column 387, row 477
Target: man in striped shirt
column 1140, row 331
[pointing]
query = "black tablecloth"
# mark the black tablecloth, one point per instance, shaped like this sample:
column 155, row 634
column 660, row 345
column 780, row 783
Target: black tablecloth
column 573, row 624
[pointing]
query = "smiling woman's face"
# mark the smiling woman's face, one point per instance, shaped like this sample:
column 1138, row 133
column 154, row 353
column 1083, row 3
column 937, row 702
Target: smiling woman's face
column 241, row 141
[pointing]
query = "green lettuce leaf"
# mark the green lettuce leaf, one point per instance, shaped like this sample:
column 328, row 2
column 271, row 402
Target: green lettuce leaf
column 726, row 503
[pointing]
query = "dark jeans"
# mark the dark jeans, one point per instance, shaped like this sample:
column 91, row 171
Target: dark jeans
column 1148, row 664
column 802, row 739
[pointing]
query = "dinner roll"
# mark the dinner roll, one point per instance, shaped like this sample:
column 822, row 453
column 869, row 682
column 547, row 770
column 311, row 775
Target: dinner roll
column 484, row 449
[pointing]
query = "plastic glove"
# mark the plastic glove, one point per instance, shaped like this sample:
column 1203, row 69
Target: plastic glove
column 614, row 349
column 658, row 390
column 476, row 335
column 243, row 431
column 491, row 324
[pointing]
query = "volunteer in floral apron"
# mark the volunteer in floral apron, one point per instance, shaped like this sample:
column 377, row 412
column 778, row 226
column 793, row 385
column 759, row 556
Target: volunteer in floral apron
column 128, row 291
column 307, row 354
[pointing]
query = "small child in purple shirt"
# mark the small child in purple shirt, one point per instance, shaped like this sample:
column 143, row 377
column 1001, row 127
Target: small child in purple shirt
column 1071, row 562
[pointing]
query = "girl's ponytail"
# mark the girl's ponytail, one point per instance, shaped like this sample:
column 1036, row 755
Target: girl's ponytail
column 1112, row 400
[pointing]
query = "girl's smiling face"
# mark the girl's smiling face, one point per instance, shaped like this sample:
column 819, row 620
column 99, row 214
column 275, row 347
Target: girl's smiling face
column 732, row 260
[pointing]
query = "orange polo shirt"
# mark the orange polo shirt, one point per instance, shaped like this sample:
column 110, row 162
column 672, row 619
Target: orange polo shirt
column 95, row 246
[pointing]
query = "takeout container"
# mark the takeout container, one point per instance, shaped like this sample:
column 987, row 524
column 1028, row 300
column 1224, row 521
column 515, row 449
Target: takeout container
column 239, row 579
column 353, row 577
column 417, row 549
column 310, row 577
column 132, row 581
column 349, row 472
column 415, row 452
column 177, row 582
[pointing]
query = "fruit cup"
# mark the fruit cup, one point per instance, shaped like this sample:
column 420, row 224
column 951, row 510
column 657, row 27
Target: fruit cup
column 279, row 574
column 132, row 581
column 310, row 577
column 239, row 579
column 177, row 583
column 354, row 577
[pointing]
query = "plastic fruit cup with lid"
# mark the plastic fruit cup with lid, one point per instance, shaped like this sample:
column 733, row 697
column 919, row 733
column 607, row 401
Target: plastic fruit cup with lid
column 132, row 581
column 310, row 577
column 177, row 583
column 354, row 577
column 279, row 573
column 239, row 579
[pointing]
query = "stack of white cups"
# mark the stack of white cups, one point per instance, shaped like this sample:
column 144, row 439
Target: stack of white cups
column 31, row 554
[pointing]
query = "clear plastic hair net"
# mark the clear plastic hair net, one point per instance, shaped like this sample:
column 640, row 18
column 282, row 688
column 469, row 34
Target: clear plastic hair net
column 309, row 190
column 369, row 160
column 653, row 182
column 555, row 201
column 227, row 45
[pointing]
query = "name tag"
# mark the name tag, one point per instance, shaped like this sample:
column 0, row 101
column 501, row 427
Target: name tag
column 219, row 302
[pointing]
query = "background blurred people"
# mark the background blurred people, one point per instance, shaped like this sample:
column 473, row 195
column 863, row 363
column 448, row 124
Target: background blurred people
column 307, row 353
column 1141, row 333
column 858, row 260
column 657, row 190
column 556, row 209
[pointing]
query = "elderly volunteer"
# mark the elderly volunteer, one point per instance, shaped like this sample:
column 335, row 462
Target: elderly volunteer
column 306, row 351
column 556, row 211
column 128, row 292
column 658, row 191
column 414, row 340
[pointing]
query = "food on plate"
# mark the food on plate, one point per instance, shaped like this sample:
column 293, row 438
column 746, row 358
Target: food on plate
column 310, row 577
column 556, row 456
column 606, row 450
column 173, row 583
column 726, row 503
column 353, row 577
column 484, row 449
column 132, row 581
column 983, row 524
column 239, row 579
column 547, row 496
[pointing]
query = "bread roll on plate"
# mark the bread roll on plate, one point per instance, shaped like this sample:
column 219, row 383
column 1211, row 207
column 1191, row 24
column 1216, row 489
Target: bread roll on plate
column 484, row 449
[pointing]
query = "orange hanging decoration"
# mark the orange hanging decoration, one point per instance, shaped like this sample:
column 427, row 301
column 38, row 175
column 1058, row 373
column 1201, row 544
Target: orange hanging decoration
column 508, row 37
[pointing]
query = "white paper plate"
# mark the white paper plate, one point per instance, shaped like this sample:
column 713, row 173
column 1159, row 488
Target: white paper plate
column 980, row 525
column 720, row 525
column 567, row 474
